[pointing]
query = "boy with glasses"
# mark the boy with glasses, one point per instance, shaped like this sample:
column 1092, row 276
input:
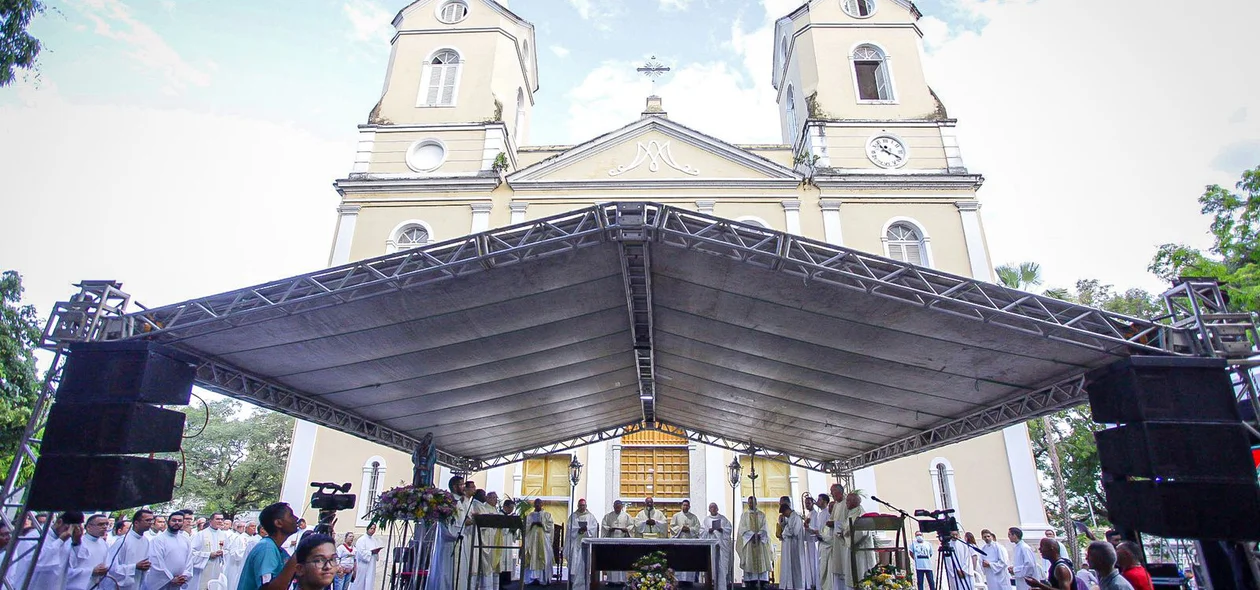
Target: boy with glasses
column 317, row 562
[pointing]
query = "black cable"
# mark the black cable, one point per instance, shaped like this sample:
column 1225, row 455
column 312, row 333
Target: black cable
column 206, row 422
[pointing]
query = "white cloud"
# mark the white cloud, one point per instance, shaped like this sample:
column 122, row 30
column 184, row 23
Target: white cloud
column 113, row 20
column 173, row 203
column 600, row 13
column 674, row 5
column 560, row 50
column 1096, row 135
column 370, row 22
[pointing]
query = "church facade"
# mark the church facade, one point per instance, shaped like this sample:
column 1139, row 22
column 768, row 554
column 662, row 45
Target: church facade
column 868, row 160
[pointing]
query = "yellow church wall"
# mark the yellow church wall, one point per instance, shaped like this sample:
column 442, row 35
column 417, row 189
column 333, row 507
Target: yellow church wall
column 837, row 95
column 862, row 224
column 770, row 213
column 506, row 79
column 886, row 12
column 533, row 155
column 694, row 162
column 376, row 223
column 464, row 150
column 424, row 16
column 846, row 146
column 781, row 155
column 340, row 458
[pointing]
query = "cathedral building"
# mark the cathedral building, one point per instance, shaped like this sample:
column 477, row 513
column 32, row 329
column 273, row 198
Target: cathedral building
column 868, row 160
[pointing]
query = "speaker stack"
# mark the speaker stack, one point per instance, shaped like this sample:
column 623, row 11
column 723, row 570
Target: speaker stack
column 1179, row 462
column 104, row 414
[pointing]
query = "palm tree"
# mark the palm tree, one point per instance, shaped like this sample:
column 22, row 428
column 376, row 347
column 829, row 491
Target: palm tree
column 1024, row 276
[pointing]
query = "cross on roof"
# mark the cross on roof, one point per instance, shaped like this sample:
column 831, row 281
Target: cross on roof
column 653, row 69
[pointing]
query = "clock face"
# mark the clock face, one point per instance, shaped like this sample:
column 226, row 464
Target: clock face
column 886, row 152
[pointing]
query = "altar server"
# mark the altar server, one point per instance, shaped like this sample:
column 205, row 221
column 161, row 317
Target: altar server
column 616, row 525
column 1024, row 563
column 755, row 554
column 825, row 536
column 367, row 550
column 994, row 562
column 810, row 516
column 685, row 525
column 582, row 525
column 87, row 555
column 650, row 522
column 716, row 526
column 128, row 558
column 791, row 533
column 536, row 551
column 238, row 546
column 169, row 556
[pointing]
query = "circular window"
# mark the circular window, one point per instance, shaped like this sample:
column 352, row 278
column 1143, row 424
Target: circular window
column 452, row 11
column 425, row 156
column 859, row 8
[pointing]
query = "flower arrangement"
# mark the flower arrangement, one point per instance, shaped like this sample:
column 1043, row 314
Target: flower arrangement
column 410, row 503
column 885, row 577
column 652, row 572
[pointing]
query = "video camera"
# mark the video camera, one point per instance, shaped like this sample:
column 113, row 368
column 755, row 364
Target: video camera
column 330, row 496
column 941, row 522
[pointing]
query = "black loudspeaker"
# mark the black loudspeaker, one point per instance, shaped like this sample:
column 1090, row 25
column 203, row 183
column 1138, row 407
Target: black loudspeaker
column 112, row 429
column 127, row 372
column 1172, row 389
column 1185, row 510
column 1205, row 452
column 100, row 483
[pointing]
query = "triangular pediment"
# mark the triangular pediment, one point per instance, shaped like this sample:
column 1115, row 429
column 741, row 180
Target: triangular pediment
column 654, row 151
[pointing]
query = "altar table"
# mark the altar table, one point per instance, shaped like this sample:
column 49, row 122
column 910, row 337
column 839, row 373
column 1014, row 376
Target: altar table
column 607, row 554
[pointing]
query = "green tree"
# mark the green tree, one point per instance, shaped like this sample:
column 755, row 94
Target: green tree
column 19, row 379
column 18, row 48
column 1023, row 276
column 234, row 457
column 1234, row 258
column 1137, row 303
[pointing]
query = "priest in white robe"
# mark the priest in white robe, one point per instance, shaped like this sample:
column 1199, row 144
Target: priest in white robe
column 811, row 517
column 849, row 566
column 716, row 526
column 367, row 552
column 87, row 555
column 685, row 525
column 485, row 574
column 536, row 557
column 650, row 522
column 507, row 557
column 209, row 551
column 1024, row 563
column 128, row 558
column 237, row 549
column 52, row 558
column 463, row 562
column 442, row 560
column 616, row 525
column 825, row 537
column 756, row 556
column 791, row 533
column 994, row 562
column 959, row 573
column 170, row 558
column 582, row 525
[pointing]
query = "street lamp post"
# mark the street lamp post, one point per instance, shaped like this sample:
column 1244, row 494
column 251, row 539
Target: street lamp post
column 575, row 475
column 733, row 477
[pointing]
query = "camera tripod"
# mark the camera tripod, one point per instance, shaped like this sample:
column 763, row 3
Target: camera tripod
column 947, row 562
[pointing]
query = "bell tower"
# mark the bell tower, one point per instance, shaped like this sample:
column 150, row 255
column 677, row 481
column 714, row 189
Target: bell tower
column 458, row 92
column 852, row 92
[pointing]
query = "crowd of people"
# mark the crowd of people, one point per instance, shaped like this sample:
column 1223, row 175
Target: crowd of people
column 818, row 548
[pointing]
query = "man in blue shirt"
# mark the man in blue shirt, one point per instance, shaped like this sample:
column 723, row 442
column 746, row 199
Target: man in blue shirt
column 922, row 553
column 268, row 567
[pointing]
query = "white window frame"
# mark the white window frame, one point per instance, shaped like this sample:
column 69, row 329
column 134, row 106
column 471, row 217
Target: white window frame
column 391, row 244
column 873, row 5
column 754, row 220
column 885, row 68
column 951, row 490
column 364, row 515
column 926, row 240
column 520, row 116
column 441, row 7
column 792, row 122
column 446, row 154
column 422, row 98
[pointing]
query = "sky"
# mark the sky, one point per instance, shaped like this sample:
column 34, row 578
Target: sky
column 186, row 147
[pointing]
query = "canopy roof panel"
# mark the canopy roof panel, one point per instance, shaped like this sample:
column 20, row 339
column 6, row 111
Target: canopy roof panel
column 584, row 326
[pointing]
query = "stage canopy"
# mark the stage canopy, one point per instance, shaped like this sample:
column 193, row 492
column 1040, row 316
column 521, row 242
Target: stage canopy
column 559, row 332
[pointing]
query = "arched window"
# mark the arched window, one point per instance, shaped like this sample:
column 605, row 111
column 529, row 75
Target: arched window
column 453, row 11
column 520, row 117
column 441, row 77
column 756, row 221
column 942, row 483
column 408, row 235
column 783, row 51
column 859, row 8
column 793, row 126
column 903, row 242
column 373, row 486
column 870, row 70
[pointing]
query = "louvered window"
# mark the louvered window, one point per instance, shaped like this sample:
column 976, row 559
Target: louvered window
column 946, row 500
column 859, row 8
column 441, row 77
column 453, row 12
column 871, row 71
column 905, row 244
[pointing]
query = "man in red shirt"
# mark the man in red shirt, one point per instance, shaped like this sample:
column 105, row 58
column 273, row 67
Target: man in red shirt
column 1129, row 562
